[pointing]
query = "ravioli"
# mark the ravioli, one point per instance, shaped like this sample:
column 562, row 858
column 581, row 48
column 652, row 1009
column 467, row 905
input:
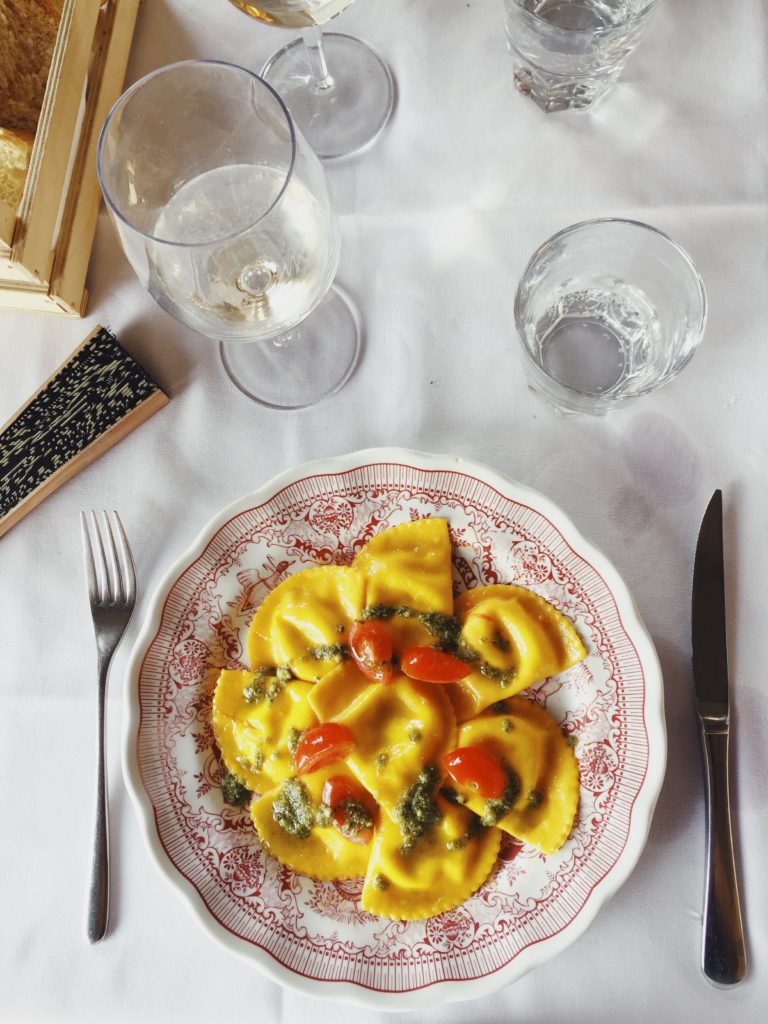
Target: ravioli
column 254, row 738
column 409, row 564
column 527, row 740
column 337, row 691
column 324, row 853
column 441, row 871
column 398, row 729
column 428, row 854
column 305, row 618
column 520, row 637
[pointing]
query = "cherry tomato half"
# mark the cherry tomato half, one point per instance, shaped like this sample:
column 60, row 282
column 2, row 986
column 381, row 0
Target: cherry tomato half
column 362, row 837
column 336, row 790
column 433, row 666
column 371, row 647
column 339, row 788
column 322, row 745
column 478, row 770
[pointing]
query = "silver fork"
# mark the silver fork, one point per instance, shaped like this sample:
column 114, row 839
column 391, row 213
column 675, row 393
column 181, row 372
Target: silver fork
column 112, row 595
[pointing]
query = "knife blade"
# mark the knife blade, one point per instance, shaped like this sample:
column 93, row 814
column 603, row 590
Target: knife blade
column 723, row 956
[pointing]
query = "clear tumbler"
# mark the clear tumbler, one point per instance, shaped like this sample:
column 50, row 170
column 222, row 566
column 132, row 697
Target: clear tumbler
column 607, row 310
column 568, row 53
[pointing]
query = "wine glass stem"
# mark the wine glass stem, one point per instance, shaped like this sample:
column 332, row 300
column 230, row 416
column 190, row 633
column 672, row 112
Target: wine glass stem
column 313, row 41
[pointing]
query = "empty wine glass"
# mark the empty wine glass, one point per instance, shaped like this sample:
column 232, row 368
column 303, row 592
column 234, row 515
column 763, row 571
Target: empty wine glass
column 223, row 211
column 339, row 91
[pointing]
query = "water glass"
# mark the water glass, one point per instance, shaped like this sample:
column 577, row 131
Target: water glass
column 568, row 53
column 607, row 310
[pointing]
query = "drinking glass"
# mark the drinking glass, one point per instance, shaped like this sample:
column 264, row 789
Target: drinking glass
column 568, row 53
column 607, row 310
column 339, row 91
column 223, row 212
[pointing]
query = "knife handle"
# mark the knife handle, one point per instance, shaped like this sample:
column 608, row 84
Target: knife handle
column 723, row 957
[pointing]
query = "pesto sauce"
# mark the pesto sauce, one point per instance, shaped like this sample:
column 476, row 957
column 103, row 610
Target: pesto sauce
column 293, row 740
column 380, row 883
column 414, row 733
column 416, row 810
column 357, row 817
column 329, row 652
column 495, row 810
column 323, row 816
column 293, row 809
column 267, row 684
column 256, row 690
column 446, row 631
column 452, row 796
column 499, row 641
column 233, row 791
column 476, row 828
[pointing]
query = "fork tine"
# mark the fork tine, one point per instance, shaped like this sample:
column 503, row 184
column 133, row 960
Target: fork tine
column 90, row 568
column 114, row 575
column 129, row 578
column 99, row 560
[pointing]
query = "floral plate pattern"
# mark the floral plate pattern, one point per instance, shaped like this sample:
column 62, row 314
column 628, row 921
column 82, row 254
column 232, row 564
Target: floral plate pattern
column 313, row 935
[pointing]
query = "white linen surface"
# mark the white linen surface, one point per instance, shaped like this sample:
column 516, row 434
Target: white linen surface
column 437, row 220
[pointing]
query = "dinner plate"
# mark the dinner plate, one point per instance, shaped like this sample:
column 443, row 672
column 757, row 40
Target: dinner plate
column 312, row 935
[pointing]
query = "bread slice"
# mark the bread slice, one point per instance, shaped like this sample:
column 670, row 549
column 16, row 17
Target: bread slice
column 28, row 31
column 15, row 148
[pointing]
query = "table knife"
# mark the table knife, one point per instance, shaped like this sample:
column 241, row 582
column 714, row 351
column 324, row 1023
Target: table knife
column 723, row 957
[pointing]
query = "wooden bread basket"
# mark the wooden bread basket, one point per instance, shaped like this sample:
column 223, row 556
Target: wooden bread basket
column 45, row 245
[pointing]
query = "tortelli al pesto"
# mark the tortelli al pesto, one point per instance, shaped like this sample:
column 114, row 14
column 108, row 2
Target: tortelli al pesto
column 379, row 733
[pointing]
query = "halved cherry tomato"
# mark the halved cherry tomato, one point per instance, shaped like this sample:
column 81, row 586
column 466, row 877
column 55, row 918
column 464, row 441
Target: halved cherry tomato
column 477, row 769
column 322, row 745
column 336, row 790
column 433, row 666
column 371, row 647
column 339, row 788
column 362, row 837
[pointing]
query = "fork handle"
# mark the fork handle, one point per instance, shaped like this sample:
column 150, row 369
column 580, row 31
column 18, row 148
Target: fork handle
column 98, row 902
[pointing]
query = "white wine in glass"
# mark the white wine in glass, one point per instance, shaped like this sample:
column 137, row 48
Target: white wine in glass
column 339, row 91
column 293, row 13
column 223, row 210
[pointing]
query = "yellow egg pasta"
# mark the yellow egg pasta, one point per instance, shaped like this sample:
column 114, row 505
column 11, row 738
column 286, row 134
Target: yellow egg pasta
column 409, row 564
column 398, row 729
column 328, row 699
column 305, row 618
column 323, row 853
column 255, row 738
column 521, row 639
column 337, row 692
column 443, row 870
column 527, row 740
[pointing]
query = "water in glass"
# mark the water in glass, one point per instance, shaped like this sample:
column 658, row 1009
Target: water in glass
column 568, row 53
column 607, row 310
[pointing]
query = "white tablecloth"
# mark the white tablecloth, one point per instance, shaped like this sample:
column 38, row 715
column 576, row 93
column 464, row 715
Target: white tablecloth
column 437, row 221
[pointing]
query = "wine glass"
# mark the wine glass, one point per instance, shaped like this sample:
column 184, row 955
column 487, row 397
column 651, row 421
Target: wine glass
column 223, row 211
column 339, row 91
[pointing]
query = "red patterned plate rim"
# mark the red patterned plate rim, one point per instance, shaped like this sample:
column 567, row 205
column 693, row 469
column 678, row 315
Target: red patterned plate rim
column 489, row 977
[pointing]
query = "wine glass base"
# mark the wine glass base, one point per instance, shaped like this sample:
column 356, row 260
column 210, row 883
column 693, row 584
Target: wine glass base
column 350, row 114
column 298, row 369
